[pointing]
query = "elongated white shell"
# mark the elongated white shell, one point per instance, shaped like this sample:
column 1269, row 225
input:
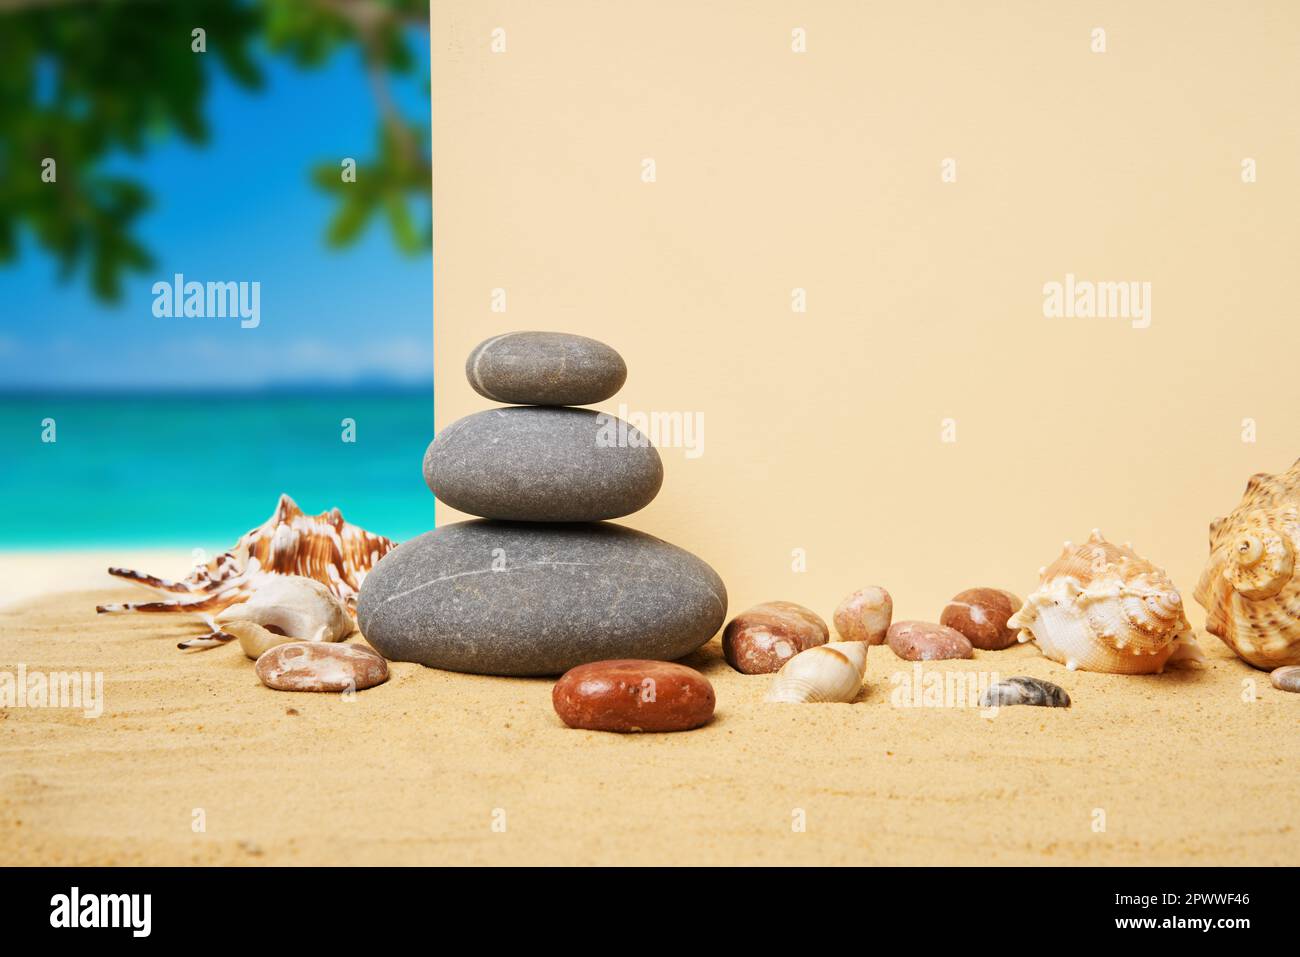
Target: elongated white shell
column 1249, row 588
column 829, row 672
column 286, row 608
column 1103, row 607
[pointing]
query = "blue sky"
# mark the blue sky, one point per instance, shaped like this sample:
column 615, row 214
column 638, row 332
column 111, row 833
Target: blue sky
column 240, row 208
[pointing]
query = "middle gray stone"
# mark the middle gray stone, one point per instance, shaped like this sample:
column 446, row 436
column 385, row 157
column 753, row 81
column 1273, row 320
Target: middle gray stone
column 543, row 464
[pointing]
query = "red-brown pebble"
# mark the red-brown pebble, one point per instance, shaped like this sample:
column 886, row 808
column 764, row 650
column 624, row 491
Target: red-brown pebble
column 630, row 694
column 981, row 615
column 759, row 641
column 926, row 641
column 321, row 666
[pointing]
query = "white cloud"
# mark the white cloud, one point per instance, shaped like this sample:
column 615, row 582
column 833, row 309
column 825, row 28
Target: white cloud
column 309, row 358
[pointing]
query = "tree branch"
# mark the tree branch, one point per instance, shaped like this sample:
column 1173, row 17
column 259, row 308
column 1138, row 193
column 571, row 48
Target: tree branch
column 366, row 16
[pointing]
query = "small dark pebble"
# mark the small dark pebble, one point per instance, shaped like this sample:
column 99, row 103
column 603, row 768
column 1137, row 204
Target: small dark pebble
column 1286, row 678
column 1025, row 690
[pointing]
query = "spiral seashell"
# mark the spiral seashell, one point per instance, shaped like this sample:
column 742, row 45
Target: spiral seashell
column 287, row 608
column 323, row 547
column 823, row 673
column 1103, row 607
column 1249, row 588
column 1263, row 561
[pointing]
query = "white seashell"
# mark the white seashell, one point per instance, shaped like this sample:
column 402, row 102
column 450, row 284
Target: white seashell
column 1250, row 589
column 286, row 608
column 1103, row 607
column 829, row 672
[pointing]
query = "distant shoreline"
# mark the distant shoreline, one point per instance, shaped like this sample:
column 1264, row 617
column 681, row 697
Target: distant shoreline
column 300, row 389
column 29, row 573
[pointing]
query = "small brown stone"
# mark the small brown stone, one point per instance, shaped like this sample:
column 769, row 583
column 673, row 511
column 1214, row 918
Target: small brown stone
column 864, row 616
column 926, row 641
column 630, row 694
column 981, row 615
column 1286, row 678
column 321, row 666
column 759, row 641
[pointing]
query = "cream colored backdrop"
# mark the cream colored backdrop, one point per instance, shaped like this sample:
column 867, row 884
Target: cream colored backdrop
column 821, row 170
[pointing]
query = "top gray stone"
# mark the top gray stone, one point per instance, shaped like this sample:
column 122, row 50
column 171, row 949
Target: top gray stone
column 545, row 368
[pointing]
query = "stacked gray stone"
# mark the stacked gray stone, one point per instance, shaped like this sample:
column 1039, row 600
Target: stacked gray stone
column 542, row 582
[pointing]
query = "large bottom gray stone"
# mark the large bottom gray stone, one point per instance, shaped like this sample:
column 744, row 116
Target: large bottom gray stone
column 522, row 598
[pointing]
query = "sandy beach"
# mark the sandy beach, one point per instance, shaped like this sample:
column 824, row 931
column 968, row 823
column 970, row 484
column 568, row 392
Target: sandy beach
column 27, row 574
column 193, row 761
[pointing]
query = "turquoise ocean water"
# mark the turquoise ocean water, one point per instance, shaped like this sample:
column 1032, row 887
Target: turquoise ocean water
column 199, row 470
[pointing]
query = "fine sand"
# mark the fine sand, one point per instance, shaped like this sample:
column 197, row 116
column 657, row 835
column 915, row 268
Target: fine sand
column 194, row 762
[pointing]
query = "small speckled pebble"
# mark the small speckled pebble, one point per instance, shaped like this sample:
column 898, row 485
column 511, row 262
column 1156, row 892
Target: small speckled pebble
column 1023, row 689
column 630, row 694
column 864, row 616
column 1286, row 678
column 981, row 615
column 926, row 641
column 321, row 666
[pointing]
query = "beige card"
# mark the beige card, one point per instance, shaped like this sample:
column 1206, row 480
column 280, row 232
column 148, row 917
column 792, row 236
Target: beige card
column 935, row 286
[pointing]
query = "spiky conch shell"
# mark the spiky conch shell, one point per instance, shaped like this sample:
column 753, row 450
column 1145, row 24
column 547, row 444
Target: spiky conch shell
column 1103, row 607
column 1249, row 587
column 322, row 547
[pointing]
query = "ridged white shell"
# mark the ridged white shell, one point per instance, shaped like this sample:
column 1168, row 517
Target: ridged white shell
column 286, row 608
column 1103, row 607
column 823, row 673
column 1249, row 588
